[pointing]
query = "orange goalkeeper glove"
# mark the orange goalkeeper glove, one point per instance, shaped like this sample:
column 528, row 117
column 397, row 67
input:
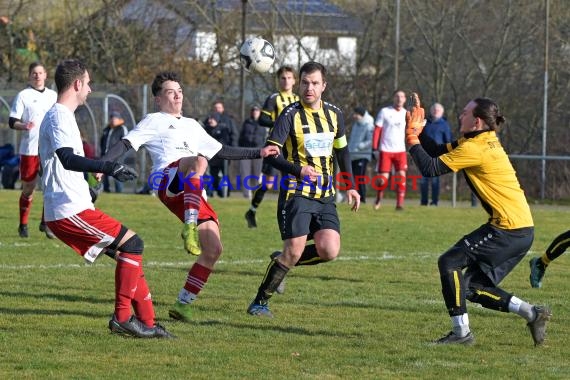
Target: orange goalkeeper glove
column 415, row 120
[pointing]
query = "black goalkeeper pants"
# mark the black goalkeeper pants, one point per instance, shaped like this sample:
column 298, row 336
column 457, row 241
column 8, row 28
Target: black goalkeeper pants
column 487, row 255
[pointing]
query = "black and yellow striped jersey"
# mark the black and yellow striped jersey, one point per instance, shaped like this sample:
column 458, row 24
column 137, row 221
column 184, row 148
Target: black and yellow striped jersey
column 276, row 103
column 307, row 137
column 491, row 175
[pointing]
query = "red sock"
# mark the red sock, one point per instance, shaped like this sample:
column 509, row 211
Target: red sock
column 127, row 274
column 142, row 303
column 192, row 199
column 25, row 207
column 197, row 278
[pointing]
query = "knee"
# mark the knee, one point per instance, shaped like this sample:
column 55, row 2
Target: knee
column 327, row 252
column 134, row 245
column 201, row 164
column 445, row 264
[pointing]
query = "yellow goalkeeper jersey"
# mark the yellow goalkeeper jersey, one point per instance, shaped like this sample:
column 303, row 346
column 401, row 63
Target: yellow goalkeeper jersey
column 491, row 175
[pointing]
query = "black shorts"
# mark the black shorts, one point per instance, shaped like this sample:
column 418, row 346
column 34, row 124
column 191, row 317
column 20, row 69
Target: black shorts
column 268, row 169
column 300, row 216
column 495, row 251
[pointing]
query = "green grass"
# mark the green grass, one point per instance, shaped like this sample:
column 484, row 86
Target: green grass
column 371, row 314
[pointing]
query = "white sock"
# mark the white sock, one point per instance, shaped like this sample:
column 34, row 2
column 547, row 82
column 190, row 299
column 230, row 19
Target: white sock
column 186, row 297
column 460, row 325
column 191, row 216
column 524, row 309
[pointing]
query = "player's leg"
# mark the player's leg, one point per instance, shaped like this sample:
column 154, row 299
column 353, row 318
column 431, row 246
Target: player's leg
column 401, row 167
column 384, row 168
column 483, row 291
column 90, row 233
column 199, row 272
column 451, row 265
column 29, row 169
column 190, row 171
column 209, row 234
column 538, row 264
column 294, row 218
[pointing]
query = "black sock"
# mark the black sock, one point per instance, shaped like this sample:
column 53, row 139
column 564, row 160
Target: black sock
column 310, row 256
column 276, row 272
column 258, row 196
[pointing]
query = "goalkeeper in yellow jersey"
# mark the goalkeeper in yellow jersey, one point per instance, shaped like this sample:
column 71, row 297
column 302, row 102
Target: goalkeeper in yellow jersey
column 473, row 268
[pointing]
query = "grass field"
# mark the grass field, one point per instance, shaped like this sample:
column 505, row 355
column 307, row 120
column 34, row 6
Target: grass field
column 369, row 315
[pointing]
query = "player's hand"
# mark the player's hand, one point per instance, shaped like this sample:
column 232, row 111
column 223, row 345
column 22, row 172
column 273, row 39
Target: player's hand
column 98, row 176
column 270, row 150
column 123, row 172
column 415, row 119
column 353, row 199
column 29, row 125
column 310, row 173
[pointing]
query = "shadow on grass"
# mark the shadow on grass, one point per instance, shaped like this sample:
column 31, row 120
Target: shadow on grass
column 54, row 312
column 296, row 273
column 274, row 328
column 57, row 296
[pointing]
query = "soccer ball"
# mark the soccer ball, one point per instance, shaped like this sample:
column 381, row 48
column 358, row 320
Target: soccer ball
column 257, row 54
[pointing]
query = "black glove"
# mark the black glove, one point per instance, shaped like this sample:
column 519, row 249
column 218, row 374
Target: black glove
column 119, row 171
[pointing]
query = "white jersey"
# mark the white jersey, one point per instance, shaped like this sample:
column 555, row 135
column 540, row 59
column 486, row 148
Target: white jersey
column 393, row 125
column 66, row 192
column 168, row 138
column 31, row 105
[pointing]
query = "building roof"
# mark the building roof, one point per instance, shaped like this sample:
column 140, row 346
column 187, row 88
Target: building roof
column 331, row 20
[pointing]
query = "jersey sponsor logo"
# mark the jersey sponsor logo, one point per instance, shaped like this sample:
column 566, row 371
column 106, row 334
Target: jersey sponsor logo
column 319, row 144
column 171, row 127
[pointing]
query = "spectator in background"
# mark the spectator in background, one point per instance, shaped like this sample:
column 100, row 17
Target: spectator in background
column 439, row 131
column 252, row 136
column 360, row 145
column 112, row 134
column 221, row 127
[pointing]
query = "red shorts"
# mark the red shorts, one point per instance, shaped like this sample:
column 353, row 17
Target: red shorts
column 88, row 232
column 387, row 159
column 29, row 167
column 175, row 201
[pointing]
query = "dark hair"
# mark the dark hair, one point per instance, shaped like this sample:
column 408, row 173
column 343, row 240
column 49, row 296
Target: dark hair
column 488, row 111
column 67, row 72
column 162, row 77
column 33, row 65
column 311, row 67
column 398, row 90
column 284, row 69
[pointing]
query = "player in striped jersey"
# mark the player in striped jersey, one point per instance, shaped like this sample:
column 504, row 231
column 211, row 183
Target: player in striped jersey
column 475, row 266
column 308, row 132
column 274, row 104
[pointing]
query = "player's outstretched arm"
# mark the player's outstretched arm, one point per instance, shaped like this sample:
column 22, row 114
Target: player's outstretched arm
column 117, row 150
column 74, row 162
